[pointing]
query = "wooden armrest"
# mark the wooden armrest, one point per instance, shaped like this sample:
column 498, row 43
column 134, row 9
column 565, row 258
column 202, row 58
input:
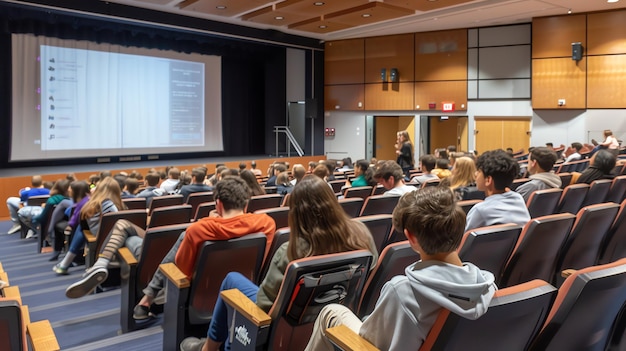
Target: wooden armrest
column 5, row 278
column 89, row 236
column 242, row 304
column 348, row 340
column 567, row 272
column 42, row 336
column 13, row 293
column 175, row 275
column 25, row 314
column 127, row 256
column 1, row 268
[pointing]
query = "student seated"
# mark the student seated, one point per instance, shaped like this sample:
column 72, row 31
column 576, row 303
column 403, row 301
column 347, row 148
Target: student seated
column 409, row 304
column 389, row 175
column 442, row 169
column 574, row 156
column 427, row 164
column 495, row 173
column 540, row 163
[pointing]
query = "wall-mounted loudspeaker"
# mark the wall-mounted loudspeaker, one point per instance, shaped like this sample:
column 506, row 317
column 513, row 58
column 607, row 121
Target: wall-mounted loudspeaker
column 577, row 51
column 393, row 75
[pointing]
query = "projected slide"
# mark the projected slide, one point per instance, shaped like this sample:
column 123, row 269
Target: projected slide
column 105, row 100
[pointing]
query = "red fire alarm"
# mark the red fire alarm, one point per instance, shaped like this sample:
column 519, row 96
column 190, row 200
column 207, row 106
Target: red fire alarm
column 447, row 106
column 329, row 132
column 432, row 105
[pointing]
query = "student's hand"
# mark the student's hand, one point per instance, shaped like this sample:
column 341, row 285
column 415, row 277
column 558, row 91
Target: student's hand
column 214, row 214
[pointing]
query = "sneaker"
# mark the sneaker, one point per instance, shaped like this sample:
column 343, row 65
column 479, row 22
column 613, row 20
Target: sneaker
column 60, row 270
column 31, row 234
column 14, row 229
column 192, row 344
column 92, row 279
column 141, row 312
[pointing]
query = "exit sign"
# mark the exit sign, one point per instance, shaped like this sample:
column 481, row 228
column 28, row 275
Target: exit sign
column 447, row 106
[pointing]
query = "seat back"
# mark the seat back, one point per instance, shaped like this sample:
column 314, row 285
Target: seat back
column 135, row 203
column 163, row 201
column 259, row 202
column 280, row 215
column 45, row 223
column 517, row 182
column 380, row 227
column 582, row 248
column 467, row 205
column 359, row 191
column 12, row 335
column 214, row 261
column 378, row 190
column 392, row 261
column 598, row 192
column 37, row 200
column 614, row 246
column 585, row 309
column 107, row 221
column 431, row 182
column 578, row 166
column 156, row 243
column 536, row 251
column 514, row 317
column 490, row 247
column 203, row 210
column 572, row 198
column 167, row 215
column 308, row 285
column 543, row 202
column 352, row 206
column 566, row 179
column 618, row 190
column 195, row 199
column 280, row 237
column 379, row 204
column 337, row 185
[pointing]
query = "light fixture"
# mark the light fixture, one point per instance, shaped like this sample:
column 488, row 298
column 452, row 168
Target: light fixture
column 221, row 7
column 569, row 11
column 279, row 18
column 318, row 3
column 393, row 75
column 611, row 1
column 366, row 15
column 323, row 26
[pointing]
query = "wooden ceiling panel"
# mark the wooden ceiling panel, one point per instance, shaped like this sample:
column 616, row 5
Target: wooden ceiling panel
column 367, row 14
column 156, row 2
column 319, row 25
column 427, row 5
column 227, row 8
column 314, row 8
column 274, row 17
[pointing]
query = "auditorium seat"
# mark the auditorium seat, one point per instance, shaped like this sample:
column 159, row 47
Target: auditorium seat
column 614, row 246
column 281, row 236
column 259, row 202
column 136, row 272
column 135, row 203
column 380, row 227
column 598, row 191
column 308, row 285
column 352, row 206
column 195, row 199
column 163, row 201
column 543, row 202
column 582, row 247
column 514, row 317
column 280, row 215
column 177, row 214
column 392, row 261
column 359, row 191
column 517, row 182
column 490, row 247
column 203, row 210
column 536, row 251
column 566, row 179
column 617, row 191
column 190, row 303
column 379, row 204
column 585, row 309
column 572, row 199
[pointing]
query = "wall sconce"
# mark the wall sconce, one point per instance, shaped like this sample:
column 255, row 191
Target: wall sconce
column 383, row 74
column 393, row 75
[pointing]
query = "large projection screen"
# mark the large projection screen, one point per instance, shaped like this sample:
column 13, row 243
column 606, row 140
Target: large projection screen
column 78, row 99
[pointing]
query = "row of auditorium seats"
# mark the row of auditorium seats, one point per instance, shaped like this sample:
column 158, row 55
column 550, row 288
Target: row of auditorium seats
column 17, row 331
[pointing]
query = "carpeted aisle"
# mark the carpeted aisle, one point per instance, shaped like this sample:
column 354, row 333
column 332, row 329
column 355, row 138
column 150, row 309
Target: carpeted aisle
column 88, row 323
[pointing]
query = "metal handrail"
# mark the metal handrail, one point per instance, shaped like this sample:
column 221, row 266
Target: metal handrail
column 290, row 140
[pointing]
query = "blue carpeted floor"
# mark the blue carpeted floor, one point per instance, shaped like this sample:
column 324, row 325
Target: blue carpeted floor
column 88, row 323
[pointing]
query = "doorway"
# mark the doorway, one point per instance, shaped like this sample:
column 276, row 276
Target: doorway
column 385, row 131
column 447, row 130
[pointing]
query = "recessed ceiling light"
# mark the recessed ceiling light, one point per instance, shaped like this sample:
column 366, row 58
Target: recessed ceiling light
column 612, row 0
column 432, row 0
column 220, row 7
column 323, row 26
column 318, row 3
column 365, row 15
column 279, row 18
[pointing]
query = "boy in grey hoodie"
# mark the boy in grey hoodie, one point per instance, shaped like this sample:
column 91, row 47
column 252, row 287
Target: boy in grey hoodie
column 409, row 304
column 540, row 163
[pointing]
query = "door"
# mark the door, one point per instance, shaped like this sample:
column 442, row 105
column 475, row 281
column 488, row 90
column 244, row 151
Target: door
column 386, row 129
column 445, row 131
column 499, row 133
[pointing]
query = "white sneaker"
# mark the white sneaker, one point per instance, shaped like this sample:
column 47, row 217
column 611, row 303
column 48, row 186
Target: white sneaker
column 31, row 234
column 14, row 229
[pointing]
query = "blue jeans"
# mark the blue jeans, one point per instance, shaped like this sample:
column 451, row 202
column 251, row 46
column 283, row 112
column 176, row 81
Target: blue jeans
column 218, row 330
column 78, row 241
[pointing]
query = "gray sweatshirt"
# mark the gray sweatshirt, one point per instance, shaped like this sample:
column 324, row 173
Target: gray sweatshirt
column 408, row 305
column 539, row 181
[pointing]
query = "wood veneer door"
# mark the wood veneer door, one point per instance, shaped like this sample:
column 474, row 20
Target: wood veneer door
column 451, row 131
column 500, row 133
column 386, row 129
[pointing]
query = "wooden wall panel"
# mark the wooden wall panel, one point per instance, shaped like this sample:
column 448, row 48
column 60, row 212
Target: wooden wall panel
column 389, row 96
column 394, row 51
column 553, row 36
column 453, row 91
column 606, row 81
column 606, row 33
column 558, row 78
column 441, row 55
column 344, row 97
column 344, row 61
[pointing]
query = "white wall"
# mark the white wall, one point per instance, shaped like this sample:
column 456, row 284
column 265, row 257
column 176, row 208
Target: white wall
column 349, row 139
